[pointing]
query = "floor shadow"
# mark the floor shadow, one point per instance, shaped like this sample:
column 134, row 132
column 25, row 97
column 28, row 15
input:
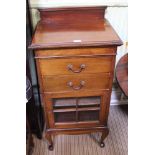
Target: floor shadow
column 124, row 108
column 95, row 138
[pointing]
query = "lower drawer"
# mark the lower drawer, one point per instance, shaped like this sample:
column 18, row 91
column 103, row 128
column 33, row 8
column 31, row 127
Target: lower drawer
column 78, row 83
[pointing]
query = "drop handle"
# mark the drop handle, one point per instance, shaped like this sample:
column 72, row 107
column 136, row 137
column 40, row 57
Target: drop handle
column 81, row 67
column 70, row 84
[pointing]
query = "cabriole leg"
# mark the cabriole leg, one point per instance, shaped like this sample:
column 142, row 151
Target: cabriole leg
column 50, row 141
column 104, row 135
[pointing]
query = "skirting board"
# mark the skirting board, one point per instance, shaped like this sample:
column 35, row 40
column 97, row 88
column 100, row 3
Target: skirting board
column 118, row 102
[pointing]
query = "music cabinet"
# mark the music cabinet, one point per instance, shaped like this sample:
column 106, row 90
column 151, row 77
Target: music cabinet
column 75, row 51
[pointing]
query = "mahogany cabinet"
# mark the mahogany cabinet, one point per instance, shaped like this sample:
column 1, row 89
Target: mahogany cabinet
column 75, row 51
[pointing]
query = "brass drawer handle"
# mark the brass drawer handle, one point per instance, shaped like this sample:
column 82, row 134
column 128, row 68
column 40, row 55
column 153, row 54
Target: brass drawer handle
column 70, row 67
column 70, row 84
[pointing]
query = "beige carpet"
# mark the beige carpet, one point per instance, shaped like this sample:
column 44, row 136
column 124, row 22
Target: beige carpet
column 115, row 144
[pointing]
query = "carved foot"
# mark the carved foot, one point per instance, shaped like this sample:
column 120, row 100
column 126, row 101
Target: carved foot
column 104, row 135
column 50, row 147
column 50, row 141
column 102, row 144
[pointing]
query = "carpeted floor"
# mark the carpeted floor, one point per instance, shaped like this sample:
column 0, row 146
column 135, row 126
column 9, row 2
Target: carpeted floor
column 115, row 144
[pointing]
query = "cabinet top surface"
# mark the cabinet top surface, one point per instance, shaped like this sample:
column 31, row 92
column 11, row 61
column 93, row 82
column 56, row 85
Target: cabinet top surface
column 73, row 28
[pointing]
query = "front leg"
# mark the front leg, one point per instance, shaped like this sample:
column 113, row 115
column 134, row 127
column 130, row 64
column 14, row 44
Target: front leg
column 104, row 135
column 50, row 141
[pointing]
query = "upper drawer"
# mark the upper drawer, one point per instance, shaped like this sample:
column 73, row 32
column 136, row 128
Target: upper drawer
column 62, row 66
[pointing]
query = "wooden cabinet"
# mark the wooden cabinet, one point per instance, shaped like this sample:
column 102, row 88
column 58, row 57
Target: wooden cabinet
column 75, row 51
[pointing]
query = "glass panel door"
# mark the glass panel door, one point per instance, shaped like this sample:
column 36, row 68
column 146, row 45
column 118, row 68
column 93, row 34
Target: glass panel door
column 83, row 109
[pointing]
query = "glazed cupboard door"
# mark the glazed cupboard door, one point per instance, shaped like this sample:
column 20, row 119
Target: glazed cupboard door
column 78, row 111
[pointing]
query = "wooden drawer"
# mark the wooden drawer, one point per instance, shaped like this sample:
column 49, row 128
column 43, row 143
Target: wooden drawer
column 77, row 65
column 68, row 83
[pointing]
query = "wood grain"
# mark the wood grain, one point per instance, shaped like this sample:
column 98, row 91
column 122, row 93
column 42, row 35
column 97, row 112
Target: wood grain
column 90, row 28
column 61, row 66
column 78, row 52
column 60, row 83
column 73, row 14
column 75, row 58
column 122, row 74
